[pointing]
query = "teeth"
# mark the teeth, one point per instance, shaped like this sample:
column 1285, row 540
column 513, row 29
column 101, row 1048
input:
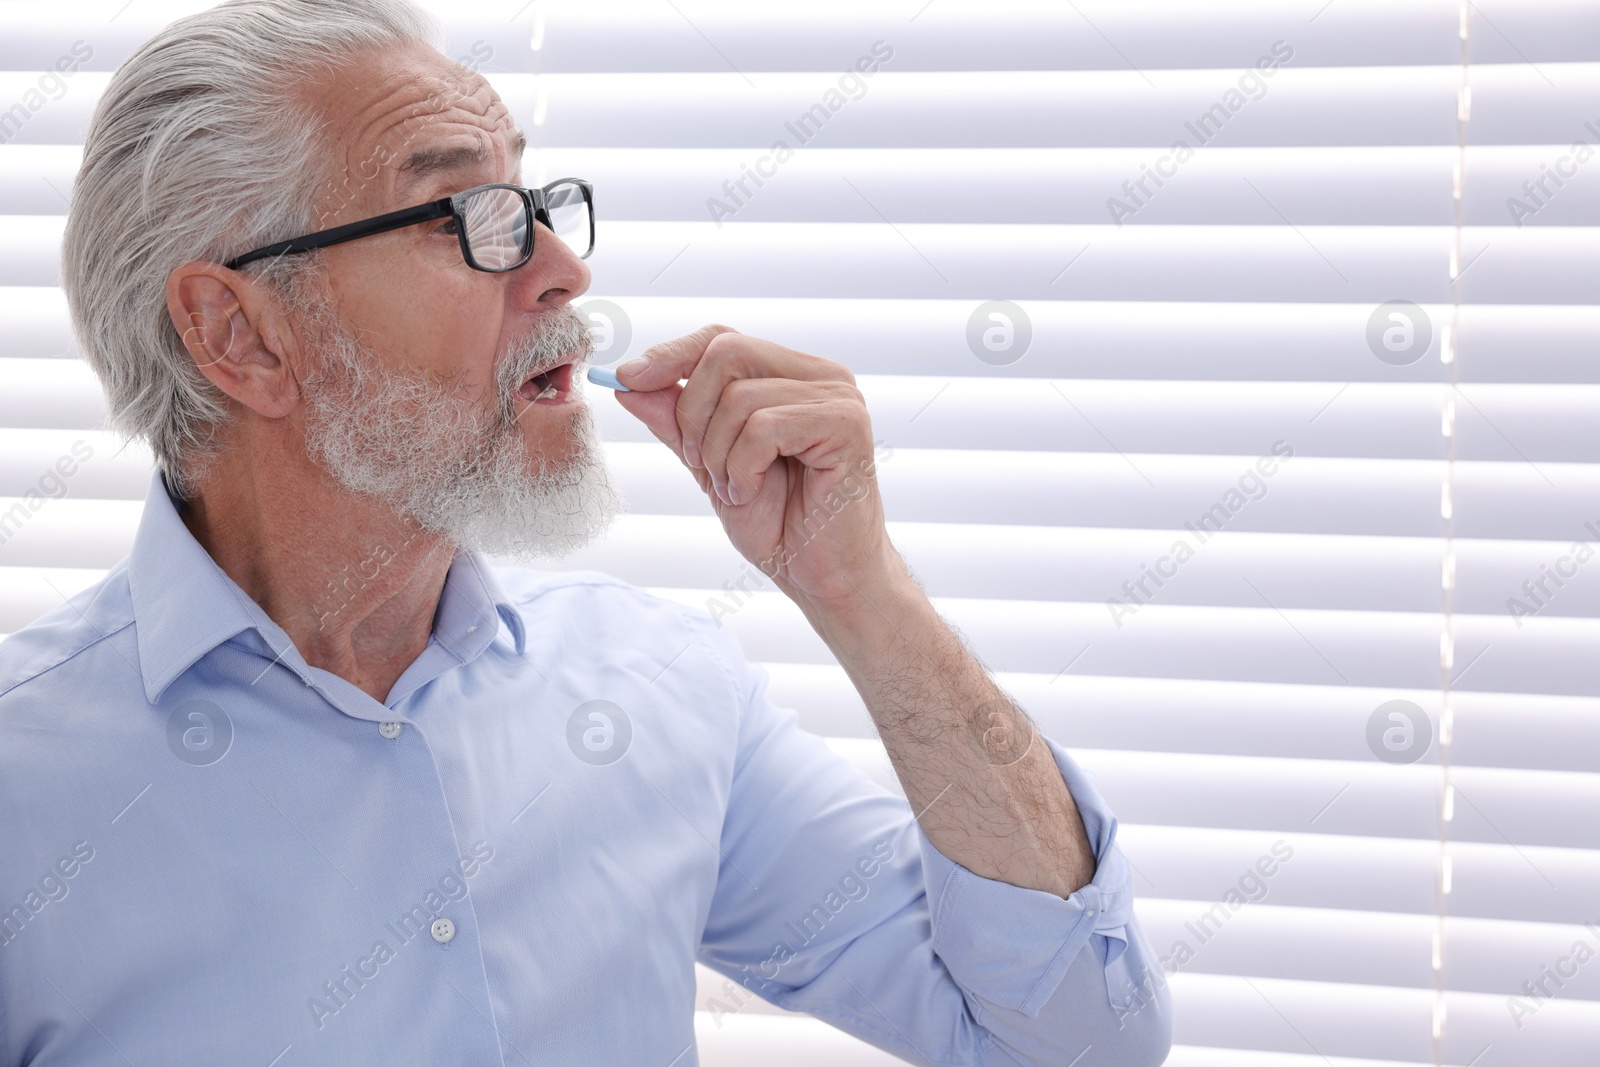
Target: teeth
column 549, row 391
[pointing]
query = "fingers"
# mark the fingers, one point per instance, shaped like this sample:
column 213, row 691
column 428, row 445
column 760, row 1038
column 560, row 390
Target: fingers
column 658, row 411
column 733, row 385
column 823, row 435
column 731, row 357
column 741, row 399
column 667, row 363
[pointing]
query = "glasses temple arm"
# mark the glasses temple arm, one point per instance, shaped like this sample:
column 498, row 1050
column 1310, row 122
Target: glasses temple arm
column 310, row 242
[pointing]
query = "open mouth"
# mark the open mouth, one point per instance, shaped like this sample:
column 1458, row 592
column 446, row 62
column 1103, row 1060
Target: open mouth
column 553, row 386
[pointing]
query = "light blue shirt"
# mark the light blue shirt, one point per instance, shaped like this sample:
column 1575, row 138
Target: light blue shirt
column 212, row 852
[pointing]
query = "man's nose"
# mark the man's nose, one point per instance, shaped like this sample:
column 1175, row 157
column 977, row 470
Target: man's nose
column 552, row 276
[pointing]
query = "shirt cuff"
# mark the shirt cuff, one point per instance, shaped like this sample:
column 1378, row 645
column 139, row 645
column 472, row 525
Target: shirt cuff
column 1012, row 946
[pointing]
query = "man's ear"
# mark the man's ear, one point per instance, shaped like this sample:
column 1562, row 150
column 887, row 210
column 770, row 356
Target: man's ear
column 234, row 329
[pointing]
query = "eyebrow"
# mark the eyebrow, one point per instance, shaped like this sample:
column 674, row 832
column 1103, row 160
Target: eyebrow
column 425, row 162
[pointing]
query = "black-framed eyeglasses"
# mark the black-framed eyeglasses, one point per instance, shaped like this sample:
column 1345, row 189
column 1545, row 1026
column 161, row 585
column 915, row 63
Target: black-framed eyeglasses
column 493, row 222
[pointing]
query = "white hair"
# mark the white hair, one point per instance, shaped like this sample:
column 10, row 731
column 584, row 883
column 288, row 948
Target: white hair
column 429, row 448
column 202, row 149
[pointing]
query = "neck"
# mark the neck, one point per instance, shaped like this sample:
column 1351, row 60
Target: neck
column 353, row 583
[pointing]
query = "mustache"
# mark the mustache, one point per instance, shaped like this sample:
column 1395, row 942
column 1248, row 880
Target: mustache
column 563, row 336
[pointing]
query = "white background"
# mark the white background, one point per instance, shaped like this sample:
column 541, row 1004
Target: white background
column 1228, row 313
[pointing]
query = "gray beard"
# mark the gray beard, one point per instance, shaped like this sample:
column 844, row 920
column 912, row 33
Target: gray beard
column 437, row 457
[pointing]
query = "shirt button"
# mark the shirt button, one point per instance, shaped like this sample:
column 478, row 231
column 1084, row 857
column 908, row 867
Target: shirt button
column 443, row 930
column 391, row 730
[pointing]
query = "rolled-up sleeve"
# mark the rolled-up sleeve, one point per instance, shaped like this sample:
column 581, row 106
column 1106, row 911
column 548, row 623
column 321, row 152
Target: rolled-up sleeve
column 1011, row 950
column 832, row 901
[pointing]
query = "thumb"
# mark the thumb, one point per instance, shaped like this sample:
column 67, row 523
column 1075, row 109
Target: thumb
column 667, row 362
column 658, row 410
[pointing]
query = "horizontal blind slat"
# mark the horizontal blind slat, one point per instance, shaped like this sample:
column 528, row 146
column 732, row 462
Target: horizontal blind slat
column 1288, row 721
column 1025, row 35
column 1367, row 420
column 1359, row 186
column 1384, row 1023
column 1197, row 494
column 1015, row 109
column 1175, row 341
column 37, row 34
column 1039, row 35
column 986, row 109
column 1356, row 798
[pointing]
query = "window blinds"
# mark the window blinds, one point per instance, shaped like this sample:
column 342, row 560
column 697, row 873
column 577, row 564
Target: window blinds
column 1270, row 488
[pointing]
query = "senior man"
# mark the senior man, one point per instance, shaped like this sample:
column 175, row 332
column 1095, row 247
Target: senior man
column 304, row 780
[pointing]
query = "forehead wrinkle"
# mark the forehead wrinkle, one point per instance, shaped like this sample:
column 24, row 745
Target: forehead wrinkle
column 448, row 165
column 428, row 160
column 434, row 148
column 385, row 129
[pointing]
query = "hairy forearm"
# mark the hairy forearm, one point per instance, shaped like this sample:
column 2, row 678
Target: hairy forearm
column 982, row 783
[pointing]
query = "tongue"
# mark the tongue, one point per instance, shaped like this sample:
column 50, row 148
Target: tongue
column 537, row 387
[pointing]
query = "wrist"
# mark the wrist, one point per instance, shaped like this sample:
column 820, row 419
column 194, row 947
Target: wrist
column 888, row 601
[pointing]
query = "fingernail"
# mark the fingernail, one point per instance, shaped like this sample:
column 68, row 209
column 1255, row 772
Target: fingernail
column 734, row 496
column 634, row 366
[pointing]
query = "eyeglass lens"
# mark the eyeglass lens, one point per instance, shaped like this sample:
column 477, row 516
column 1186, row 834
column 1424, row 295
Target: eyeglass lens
column 497, row 224
column 497, row 228
column 569, row 217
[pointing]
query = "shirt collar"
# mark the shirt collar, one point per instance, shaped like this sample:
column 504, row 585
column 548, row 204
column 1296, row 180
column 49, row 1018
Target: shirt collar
column 185, row 605
column 470, row 591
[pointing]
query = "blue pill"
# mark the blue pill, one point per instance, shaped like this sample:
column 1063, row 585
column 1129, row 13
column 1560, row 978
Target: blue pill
column 607, row 377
